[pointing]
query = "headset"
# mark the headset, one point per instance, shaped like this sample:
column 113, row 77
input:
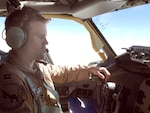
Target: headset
column 16, row 35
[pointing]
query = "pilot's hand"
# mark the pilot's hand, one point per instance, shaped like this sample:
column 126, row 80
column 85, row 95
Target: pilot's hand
column 101, row 72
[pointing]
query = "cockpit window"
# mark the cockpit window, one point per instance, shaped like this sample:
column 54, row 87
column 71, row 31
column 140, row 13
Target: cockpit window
column 69, row 42
column 3, row 46
column 126, row 27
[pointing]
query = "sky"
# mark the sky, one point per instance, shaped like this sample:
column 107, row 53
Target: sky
column 71, row 41
column 126, row 28
column 3, row 44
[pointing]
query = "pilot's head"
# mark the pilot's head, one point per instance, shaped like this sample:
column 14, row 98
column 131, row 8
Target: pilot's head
column 26, row 33
column 17, row 25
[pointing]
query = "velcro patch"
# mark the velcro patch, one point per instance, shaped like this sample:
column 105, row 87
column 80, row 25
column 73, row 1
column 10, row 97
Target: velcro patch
column 11, row 97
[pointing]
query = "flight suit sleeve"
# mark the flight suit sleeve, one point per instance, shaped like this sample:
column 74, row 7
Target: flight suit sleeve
column 64, row 74
column 14, row 94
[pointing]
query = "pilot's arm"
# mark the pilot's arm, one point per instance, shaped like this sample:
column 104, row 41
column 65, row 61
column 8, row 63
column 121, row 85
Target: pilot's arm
column 64, row 74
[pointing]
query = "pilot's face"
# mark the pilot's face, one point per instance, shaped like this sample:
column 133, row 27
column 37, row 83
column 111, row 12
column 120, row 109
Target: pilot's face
column 36, row 39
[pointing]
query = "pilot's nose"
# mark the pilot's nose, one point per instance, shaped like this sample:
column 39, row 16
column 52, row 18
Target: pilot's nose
column 45, row 41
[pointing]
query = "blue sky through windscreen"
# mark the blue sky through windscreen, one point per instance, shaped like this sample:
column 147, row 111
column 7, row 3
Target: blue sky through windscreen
column 126, row 27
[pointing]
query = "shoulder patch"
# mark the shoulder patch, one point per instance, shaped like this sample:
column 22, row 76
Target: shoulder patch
column 7, row 76
column 11, row 97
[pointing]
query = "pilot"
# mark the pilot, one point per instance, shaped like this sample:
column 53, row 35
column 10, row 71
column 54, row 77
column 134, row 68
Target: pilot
column 26, row 80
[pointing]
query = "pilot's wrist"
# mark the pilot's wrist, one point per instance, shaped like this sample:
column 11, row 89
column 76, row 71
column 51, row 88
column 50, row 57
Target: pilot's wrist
column 90, row 67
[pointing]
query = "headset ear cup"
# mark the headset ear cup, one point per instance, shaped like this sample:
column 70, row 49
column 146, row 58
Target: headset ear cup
column 15, row 37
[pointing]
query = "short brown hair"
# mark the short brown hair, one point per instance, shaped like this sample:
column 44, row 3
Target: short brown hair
column 21, row 18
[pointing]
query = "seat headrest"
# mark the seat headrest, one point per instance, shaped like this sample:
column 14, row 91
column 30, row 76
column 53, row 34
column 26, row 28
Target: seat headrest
column 2, row 56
